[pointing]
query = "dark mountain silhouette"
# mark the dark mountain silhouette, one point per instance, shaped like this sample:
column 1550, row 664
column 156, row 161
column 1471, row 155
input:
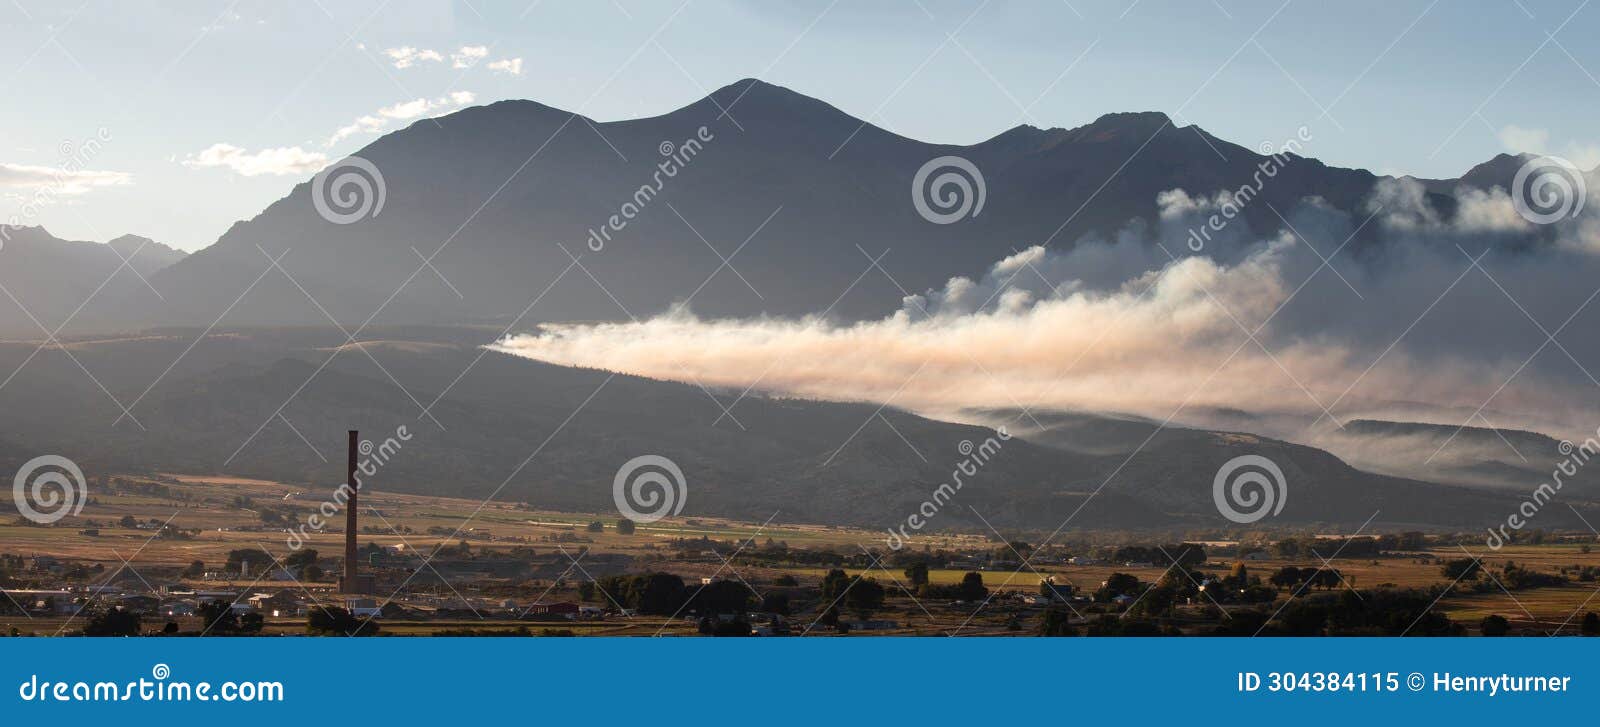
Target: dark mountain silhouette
column 48, row 278
column 241, row 401
column 506, row 193
column 1506, row 458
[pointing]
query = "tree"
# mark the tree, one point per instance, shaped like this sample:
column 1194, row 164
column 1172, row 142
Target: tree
column 721, row 597
column 1462, row 569
column 834, row 584
column 1239, row 577
column 128, row 521
column 777, row 603
column 1591, row 625
column 335, row 621
column 1325, row 578
column 301, row 558
column 195, row 570
column 1057, row 621
column 1013, row 549
column 917, row 573
column 312, row 572
column 1287, row 577
column 625, row 527
column 256, row 557
column 596, row 526
column 1494, row 625
column 661, row 594
column 112, row 621
column 972, row 588
column 1118, row 584
column 217, row 618
column 865, row 596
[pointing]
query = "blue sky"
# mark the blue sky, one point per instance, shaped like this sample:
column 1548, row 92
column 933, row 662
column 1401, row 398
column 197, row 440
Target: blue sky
column 205, row 112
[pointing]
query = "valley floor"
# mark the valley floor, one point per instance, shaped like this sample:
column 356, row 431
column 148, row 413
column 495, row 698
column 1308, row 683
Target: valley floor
column 453, row 566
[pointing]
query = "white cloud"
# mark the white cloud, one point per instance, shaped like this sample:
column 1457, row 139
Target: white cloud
column 405, row 56
column 401, row 111
column 1517, row 139
column 512, row 66
column 406, row 109
column 279, row 161
column 60, row 181
column 468, row 56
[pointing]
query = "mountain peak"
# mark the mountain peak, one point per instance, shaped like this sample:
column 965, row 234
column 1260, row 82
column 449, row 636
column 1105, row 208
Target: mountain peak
column 1133, row 120
column 1497, row 172
column 758, row 88
column 755, row 96
column 127, row 245
column 33, row 230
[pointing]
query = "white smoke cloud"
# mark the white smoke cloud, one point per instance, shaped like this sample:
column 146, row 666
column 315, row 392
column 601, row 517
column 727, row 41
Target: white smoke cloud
column 1411, row 329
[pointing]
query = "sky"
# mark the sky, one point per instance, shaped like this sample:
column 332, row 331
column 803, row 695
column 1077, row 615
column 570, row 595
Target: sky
column 175, row 120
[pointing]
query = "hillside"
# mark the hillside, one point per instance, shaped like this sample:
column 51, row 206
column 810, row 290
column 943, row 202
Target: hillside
column 554, row 437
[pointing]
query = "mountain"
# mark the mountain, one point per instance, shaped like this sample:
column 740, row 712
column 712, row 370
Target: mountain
column 797, row 195
column 1502, row 458
column 274, row 403
column 46, row 279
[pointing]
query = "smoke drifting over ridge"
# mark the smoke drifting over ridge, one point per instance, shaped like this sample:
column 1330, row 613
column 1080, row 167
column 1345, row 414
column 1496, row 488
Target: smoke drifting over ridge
column 1399, row 322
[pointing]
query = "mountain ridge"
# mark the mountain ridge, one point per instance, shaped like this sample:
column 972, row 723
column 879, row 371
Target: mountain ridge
column 500, row 197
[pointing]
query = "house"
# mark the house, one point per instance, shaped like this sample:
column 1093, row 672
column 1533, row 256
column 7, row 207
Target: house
column 1055, row 591
column 367, row 607
column 43, row 600
column 140, row 604
column 279, row 603
column 204, row 596
column 563, row 609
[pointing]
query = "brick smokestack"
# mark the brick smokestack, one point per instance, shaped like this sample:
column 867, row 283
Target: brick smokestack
column 350, row 584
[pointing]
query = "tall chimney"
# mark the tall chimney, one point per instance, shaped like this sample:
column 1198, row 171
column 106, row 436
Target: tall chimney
column 351, row 585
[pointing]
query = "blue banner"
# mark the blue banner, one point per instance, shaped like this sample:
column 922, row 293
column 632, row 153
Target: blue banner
column 798, row 681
